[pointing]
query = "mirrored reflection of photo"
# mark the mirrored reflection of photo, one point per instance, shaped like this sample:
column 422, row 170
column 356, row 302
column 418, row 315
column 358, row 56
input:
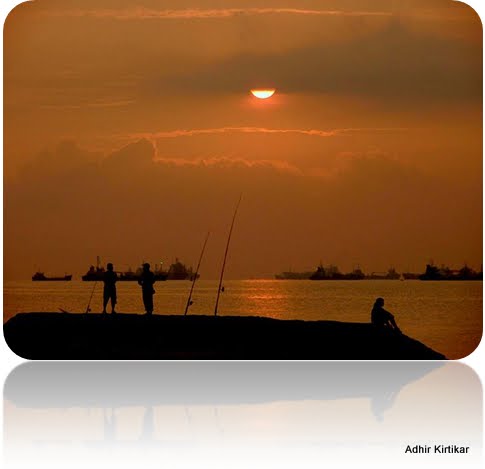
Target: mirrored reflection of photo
column 331, row 411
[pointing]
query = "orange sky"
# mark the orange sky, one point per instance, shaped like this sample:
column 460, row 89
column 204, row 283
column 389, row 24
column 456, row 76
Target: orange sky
column 130, row 131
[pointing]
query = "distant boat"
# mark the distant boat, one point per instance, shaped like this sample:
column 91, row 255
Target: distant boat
column 130, row 276
column 96, row 274
column 445, row 273
column 293, row 275
column 391, row 274
column 179, row 271
column 332, row 273
column 93, row 274
column 176, row 271
column 40, row 277
column 410, row 276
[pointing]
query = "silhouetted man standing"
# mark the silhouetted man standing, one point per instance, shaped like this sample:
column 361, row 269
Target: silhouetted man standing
column 109, row 293
column 147, row 279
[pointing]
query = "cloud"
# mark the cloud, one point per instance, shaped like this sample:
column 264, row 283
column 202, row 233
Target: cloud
column 64, row 158
column 258, row 130
column 200, row 13
column 130, row 206
column 95, row 105
column 142, row 154
column 230, row 163
column 393, row 63
column 138, row 154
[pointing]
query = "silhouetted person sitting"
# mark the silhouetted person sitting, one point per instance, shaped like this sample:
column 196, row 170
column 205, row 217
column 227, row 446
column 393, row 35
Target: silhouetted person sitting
column 382, row 318
column 146, row 280
column 109, row 293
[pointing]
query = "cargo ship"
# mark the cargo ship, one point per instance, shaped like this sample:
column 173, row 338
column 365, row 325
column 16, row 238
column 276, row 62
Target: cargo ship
column 433, row 272
column 332, row 273
column 293, row 275
column 176, row 271
column 391, row 274
column 40, row 277
column 179, row 271
column 96, row 274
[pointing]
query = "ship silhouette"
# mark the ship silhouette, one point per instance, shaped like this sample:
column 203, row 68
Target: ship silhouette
column 176, row 271
column 41, row 277
column 433, row 272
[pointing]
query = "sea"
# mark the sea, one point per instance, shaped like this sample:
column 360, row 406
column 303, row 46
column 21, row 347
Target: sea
column 445, row 315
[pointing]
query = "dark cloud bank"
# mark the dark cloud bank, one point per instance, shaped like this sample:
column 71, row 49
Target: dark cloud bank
column 394, row 63
column 70, row 205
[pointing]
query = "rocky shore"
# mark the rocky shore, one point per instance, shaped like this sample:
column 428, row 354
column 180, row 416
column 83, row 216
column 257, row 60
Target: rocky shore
column 71, row 336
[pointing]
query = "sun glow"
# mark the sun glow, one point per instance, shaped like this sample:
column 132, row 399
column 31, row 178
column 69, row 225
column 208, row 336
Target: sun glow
column 263, row 94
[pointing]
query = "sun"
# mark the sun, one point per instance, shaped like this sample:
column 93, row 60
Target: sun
column 263, row 93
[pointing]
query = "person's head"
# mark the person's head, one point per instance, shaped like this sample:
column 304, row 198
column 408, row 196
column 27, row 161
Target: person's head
column 109, row 266
column 146, row 266
column 379, row 302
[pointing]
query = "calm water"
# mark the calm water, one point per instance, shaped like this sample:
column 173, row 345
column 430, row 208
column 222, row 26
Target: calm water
column 447, row 316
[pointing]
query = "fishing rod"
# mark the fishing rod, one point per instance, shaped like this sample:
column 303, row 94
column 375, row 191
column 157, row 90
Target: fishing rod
column 88, row 307
column 225, row 256
column 189, row 299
